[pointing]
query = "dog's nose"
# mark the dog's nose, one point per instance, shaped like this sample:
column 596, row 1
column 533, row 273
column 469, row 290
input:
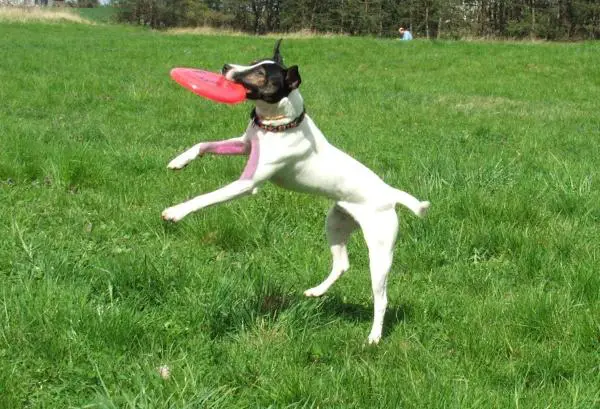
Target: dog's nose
column 226, row 68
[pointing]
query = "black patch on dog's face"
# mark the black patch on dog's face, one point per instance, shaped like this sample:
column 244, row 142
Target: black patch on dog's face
column 265, row 82
column 268, row 79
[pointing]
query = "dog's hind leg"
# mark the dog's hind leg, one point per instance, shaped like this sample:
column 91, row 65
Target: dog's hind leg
column 380, row 233
column 380, row 229
column 339, row 226
column 233, row 146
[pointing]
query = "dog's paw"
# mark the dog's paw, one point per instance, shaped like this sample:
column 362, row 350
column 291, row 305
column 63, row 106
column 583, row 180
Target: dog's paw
column 374, row 339
column 173, row 214
column 315, row 292
column 186, row 157
column 423, row 209
column 179, row 162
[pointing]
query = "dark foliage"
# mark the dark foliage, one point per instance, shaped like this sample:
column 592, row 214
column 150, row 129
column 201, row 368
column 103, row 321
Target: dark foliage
column 545, row 19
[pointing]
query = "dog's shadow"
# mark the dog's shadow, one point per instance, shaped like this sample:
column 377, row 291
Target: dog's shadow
column 333, row 306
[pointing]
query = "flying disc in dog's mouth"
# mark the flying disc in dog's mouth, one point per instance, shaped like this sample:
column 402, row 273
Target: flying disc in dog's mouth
column 210, row 85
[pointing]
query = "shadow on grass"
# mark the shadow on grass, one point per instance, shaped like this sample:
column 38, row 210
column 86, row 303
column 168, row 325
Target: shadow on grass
column 335, row 307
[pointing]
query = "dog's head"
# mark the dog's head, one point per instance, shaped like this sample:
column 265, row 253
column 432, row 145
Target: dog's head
column 267, row 79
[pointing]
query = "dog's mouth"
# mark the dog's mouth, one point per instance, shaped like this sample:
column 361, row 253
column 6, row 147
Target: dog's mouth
column 252, row 91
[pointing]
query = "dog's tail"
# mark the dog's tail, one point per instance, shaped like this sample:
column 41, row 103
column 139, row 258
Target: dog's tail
column 412, row 203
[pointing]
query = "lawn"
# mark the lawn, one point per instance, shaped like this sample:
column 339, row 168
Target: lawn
column 494, row 299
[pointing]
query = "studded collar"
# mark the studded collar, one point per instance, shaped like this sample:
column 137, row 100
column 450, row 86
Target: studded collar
column 258, row 121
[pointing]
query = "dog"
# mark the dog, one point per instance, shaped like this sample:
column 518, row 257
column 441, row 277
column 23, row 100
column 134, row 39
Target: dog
column 285, row 146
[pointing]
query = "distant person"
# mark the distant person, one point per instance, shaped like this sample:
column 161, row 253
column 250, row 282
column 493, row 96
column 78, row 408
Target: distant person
column 405, row 35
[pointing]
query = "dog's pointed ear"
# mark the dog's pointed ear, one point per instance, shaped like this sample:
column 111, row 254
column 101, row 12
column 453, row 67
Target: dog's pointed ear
column 292, row 77
column 276, row 54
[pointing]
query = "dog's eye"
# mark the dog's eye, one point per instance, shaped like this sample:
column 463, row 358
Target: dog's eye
column 260, row 73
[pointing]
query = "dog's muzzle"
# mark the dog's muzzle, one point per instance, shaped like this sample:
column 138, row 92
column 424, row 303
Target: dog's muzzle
column 226, row 68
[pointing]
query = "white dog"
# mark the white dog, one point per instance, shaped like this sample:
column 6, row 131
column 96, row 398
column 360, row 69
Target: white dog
column 286, row 147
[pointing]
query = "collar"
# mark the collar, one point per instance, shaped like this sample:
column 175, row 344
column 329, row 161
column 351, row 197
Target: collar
column 257, row 121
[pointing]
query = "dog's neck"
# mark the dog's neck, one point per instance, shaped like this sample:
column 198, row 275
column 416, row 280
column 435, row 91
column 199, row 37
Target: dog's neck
column 281, row 113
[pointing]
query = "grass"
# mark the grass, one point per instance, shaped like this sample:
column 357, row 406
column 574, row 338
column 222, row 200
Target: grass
column 207, row 30
column 494, row 299
column 102, row 14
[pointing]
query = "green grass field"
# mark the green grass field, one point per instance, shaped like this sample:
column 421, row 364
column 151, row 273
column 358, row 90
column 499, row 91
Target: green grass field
column 102, row 14
column 494, row 299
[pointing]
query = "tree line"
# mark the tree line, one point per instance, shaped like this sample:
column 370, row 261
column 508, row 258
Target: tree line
column 441, row 19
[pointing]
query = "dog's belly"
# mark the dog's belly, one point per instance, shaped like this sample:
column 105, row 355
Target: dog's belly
column 333, row 174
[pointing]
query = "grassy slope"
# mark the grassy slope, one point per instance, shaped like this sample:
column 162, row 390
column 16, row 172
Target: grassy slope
column 493, row 299
column 103, row 14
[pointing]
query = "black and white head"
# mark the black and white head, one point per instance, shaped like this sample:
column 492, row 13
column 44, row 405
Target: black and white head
column 267, row 79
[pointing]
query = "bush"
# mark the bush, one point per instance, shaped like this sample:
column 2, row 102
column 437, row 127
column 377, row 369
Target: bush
column 153, row 13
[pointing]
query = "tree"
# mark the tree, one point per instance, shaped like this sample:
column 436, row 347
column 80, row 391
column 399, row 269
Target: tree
column 549, row 19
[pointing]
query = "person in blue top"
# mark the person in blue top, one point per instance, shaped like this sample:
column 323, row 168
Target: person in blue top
column 405, row 34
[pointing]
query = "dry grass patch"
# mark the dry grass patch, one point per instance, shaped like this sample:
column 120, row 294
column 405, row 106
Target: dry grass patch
column 24, row 14
column 476, row 103
column 205, row 30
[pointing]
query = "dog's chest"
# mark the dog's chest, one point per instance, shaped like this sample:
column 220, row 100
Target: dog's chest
column 286, row 147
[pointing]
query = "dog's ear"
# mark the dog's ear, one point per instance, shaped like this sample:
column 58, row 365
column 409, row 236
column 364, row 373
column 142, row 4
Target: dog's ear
column 292, row 77
column 276, row 54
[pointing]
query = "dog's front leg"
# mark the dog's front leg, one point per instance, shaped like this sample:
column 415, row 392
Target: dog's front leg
column 233, row 146
column 255, row 174
column 231, row 191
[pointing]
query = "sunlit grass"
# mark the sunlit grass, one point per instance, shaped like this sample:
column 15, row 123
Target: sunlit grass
column 37, row 14
column 494, row 299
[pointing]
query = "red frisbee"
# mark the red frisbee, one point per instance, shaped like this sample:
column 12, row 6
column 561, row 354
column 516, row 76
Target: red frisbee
column 209, row 85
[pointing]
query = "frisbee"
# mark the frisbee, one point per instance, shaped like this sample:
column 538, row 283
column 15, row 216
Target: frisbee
column 209, row 85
